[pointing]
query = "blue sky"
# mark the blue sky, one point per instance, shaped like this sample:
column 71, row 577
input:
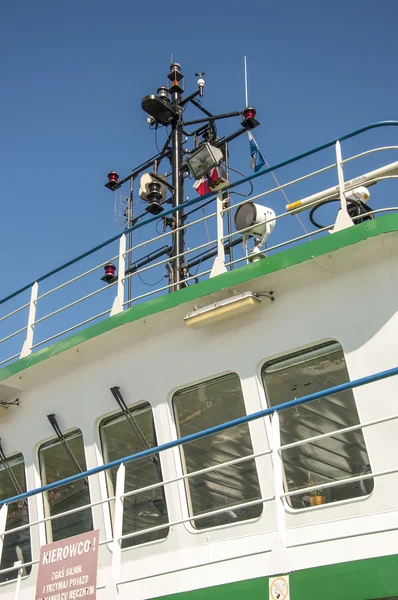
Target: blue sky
column 73, row 75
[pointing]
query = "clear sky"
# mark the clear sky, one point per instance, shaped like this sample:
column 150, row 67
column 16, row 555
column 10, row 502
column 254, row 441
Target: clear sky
column 73, row 74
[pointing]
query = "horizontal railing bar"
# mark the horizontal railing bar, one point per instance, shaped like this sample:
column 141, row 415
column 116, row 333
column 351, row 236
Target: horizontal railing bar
column 55, row 312
column 59, row 287
column 16, row 568
column 168, row 233
column 218, row 511
column 59, row 515
column 279, row 188
column 292, row 241
column 338, row 432
column 219, row 467
column 53, row 337
column 195, row 200
column 331, row 484
column 14, row 312
column 14, row 334
column 10, row 358
column 350, row 158
column 168, row 259
column 210, row 431
column 165, row 287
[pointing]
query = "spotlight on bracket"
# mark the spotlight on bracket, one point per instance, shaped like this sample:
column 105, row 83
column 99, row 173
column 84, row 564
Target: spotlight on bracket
column 109, row 273
column 204, row 159
column 257, row 217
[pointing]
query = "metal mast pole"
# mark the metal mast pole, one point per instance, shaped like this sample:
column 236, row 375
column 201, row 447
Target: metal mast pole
column 176, row 89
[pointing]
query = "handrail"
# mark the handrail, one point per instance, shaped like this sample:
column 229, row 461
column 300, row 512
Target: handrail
column 351, row 134
column 210, row 431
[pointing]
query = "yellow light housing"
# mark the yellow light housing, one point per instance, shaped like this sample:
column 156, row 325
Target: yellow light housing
column 220, row 311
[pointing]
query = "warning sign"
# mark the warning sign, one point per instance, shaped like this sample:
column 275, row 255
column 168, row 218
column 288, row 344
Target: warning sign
column 68, row 568
column 279, row 588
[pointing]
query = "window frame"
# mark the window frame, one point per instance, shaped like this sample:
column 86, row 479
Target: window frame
column 11, row 581
column 104, row 477
column 180, row 460
column 42, row 504
column 266, row 405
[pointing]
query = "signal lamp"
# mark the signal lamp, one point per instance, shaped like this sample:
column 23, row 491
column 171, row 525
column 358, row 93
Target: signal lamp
column 113, row 180
column 204, row 159
column 249, row 118
column 109, row 273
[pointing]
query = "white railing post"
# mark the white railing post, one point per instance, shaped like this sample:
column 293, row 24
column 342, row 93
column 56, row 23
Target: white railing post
column 3, row 524
column 28, row 343
column 118, row 524
column 118, row 302
column 279, row 561
column 18, row 563
column 219, row 262
column 278, row 476
column 343, row 219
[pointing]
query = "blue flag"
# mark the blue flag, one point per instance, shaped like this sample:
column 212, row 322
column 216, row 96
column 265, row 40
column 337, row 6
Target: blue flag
column 258, row 160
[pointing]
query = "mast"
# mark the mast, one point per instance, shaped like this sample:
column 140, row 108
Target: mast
column 176, row 89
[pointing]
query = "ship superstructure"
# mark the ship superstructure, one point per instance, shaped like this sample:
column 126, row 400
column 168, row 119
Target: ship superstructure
column 229, row 432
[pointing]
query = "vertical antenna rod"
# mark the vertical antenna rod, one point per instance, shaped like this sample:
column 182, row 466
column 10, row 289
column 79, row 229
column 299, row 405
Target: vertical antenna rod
column 246, row 92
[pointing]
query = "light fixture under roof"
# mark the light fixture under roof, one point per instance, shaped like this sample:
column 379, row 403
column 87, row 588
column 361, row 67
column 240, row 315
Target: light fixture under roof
column 220, row 311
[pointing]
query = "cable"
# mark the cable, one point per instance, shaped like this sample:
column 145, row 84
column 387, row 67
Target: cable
column 156, row 140
column 239, row 173
column 355, row 208
column 151, row 284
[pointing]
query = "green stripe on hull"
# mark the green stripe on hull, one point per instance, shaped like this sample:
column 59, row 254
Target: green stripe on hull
column 374, row 578
column 271, row 264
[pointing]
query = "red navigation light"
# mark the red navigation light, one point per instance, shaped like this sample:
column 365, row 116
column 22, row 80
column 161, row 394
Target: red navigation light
column 113, row 180
column 110, row 273
column 249, row 118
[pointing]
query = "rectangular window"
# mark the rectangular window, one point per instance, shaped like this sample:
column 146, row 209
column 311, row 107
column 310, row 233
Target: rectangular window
column 119, row 438
column 202, row 406
column 56, row 464
column 16, row 545
column 330, row 459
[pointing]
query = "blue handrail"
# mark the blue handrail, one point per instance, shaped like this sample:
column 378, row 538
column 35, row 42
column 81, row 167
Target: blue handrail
column 188, row 203
column 210, row 431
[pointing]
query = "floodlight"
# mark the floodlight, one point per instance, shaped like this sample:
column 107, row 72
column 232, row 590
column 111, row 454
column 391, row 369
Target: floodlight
column 204, row 159
column 220, row 311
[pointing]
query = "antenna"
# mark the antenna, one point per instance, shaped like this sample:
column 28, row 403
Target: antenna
column 246, row 92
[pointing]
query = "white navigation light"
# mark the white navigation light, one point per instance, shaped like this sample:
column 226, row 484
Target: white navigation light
column 204, row 159
column 257, row 220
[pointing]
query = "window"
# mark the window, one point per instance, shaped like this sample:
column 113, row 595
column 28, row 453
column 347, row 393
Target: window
column 120, row 438
column 55, row 464
column 16, row 545
column 200, row 407
column 330, row 459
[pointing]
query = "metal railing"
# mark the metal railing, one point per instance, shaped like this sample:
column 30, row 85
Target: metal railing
column 275, row 450
column 35, row 317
